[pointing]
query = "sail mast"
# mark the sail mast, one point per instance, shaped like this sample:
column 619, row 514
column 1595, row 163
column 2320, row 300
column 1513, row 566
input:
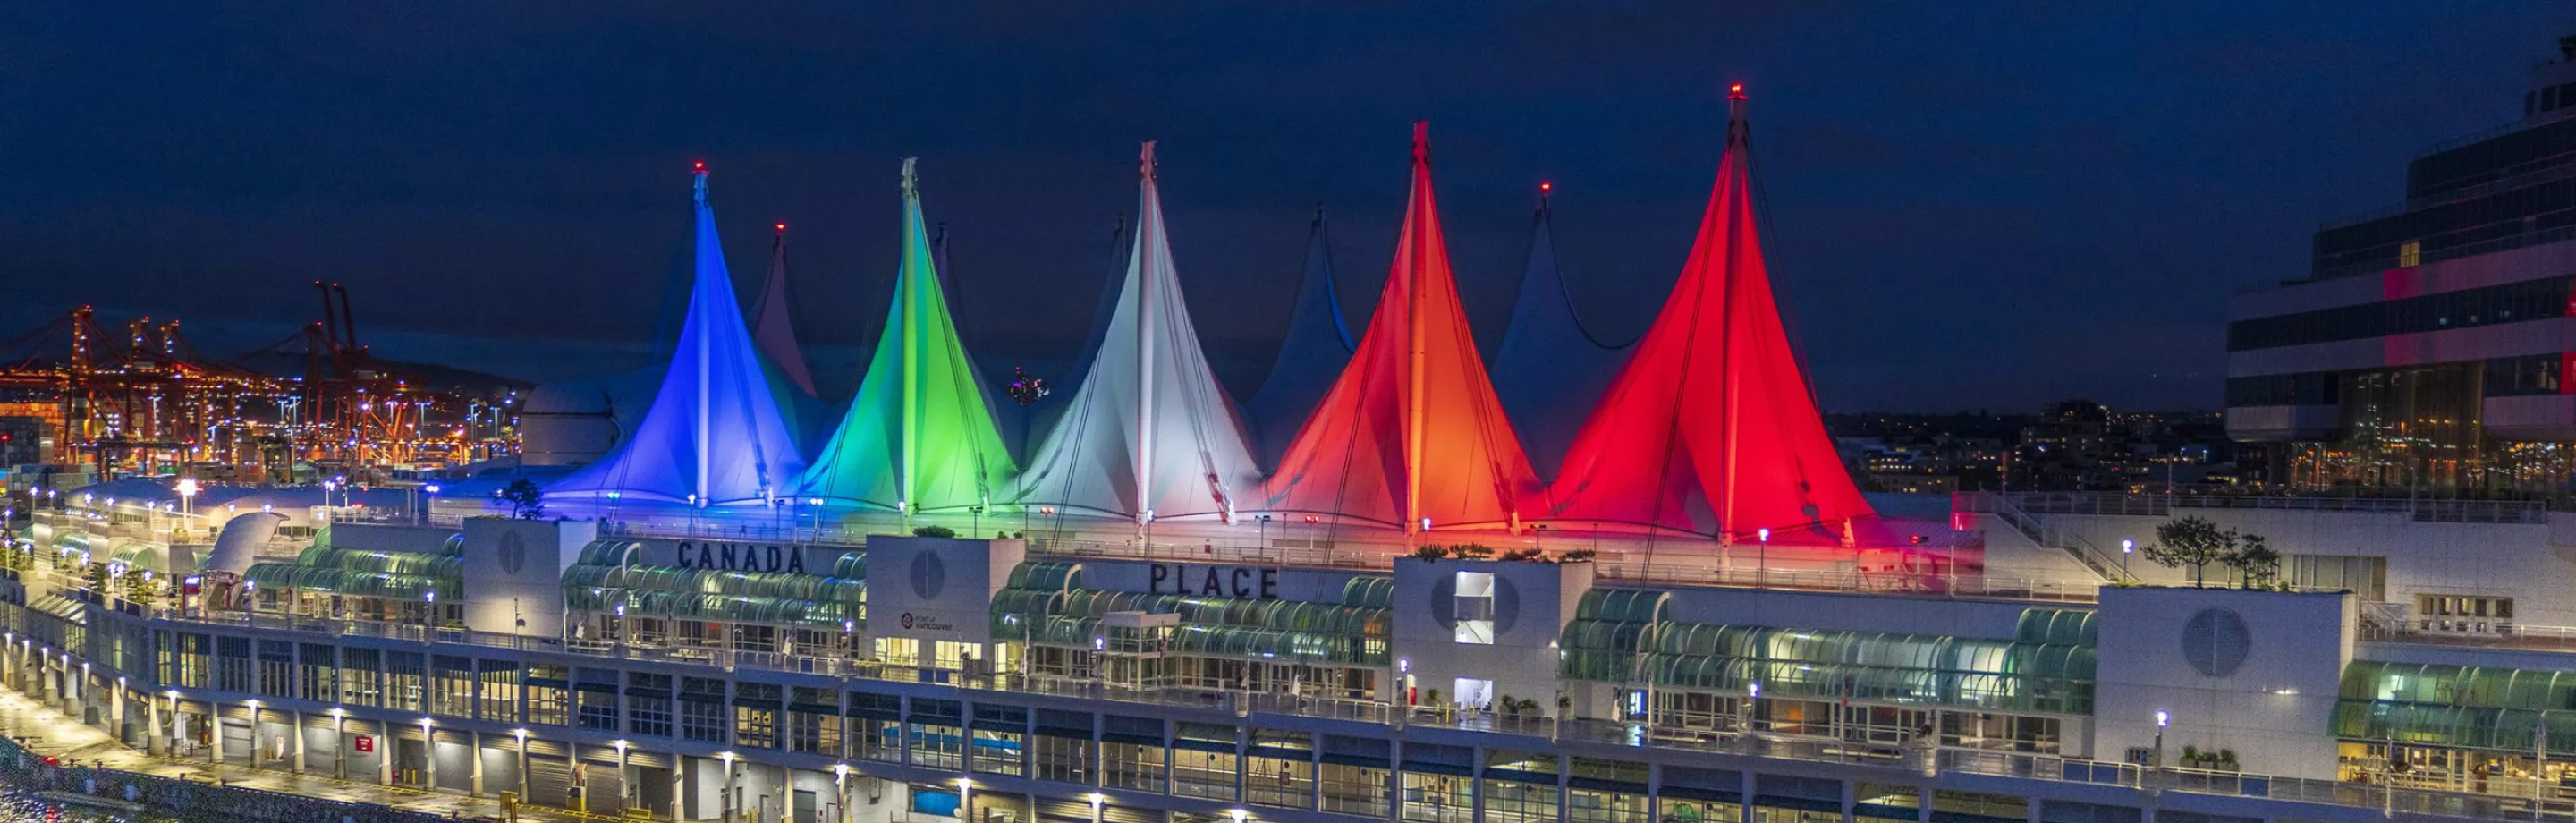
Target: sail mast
column 1737, row 140
column 1150, row 220
column 705, row 364
column 911, row 368
column 1413, row 334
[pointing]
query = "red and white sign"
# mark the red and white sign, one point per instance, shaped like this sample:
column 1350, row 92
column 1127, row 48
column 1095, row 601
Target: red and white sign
column 366, row 743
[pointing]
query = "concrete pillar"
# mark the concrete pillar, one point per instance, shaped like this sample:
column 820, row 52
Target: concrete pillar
column 475, row 757
column 428, row 758
column 385, row 749
column 178, row 725
column 731, row 814
column 116, row 713
column 68, row 691
column 786, row 794
column 154, row 740
column 339, row 745
column 841, row 794
column 215, row 740
column 679, row 787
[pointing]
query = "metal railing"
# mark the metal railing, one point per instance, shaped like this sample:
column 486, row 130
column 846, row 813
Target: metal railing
column 2518, row 512
column 2047, row 535
column 2511, row 798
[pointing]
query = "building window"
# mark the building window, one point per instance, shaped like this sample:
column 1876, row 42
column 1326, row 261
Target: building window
column 598, row 710
column 1474, row 608
column 404, row 689
column 702, row 720
column 1438, row 798
column 1062, row 759
column 361, row 683
column 549, row 703
column 1202, row 773
column 321, row 672
column 1705, row 811
column 500, row 690
column 1514, row 801
column 1279, row 769
column 452, row 686
column 879, row 740
column 702, row 709
column 1598, row 806
column 755, row 727
column 2410, row 254
column 1132, row 766
column 650, row 716
column 1354, row 790
column 938, row 746
column 2462, row 613
column 276, row 668
column 998, row 752
column 2364, row 576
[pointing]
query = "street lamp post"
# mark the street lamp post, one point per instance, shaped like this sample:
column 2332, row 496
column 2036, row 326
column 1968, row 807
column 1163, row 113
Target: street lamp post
column 2127, row 547
column 2163, row 719
column 1752, row 706
column 1762, row 559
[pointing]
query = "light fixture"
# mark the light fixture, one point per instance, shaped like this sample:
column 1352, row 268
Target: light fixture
column 2163, row 718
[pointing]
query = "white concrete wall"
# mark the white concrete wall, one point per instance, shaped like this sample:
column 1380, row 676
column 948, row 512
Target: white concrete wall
column 513, row 570
column 1522, row 661
column 2274, row 710
column 937, row 588
column 2011, row 555
column 1836, row 611
column 2477, row 559
column 390, row 537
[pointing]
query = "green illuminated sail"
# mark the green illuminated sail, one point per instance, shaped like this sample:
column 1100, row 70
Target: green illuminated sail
column 918, row 435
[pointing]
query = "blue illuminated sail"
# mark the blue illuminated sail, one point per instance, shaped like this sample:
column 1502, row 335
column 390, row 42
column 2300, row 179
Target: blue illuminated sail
column 717, row 431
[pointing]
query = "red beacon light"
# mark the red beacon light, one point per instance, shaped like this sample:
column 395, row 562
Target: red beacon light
column 782, row 228
column 699, row 167
column 1544, row 186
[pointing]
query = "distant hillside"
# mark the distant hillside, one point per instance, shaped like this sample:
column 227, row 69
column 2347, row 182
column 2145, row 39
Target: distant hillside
column 423, row 375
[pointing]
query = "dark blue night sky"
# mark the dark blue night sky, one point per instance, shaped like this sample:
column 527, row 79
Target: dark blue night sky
column 1969, row 205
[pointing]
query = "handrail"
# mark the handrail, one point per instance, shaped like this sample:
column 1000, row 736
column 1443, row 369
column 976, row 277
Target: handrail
column 1757, row 742
column 2421, row 510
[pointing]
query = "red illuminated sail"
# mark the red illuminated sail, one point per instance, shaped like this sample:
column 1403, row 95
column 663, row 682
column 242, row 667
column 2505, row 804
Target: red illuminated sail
column 1711, row 419
column 1411, row 430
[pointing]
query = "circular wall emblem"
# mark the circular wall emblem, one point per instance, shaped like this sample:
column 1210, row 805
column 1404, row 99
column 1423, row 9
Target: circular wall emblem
column 929, row 576
column 2215, row 642
column 1444, row 602
column 907, row 620
column 513, row 553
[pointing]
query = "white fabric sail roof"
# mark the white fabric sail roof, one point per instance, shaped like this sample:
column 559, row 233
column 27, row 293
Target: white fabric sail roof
column 1150, row 429
column 717, row 431
column 1550, row 368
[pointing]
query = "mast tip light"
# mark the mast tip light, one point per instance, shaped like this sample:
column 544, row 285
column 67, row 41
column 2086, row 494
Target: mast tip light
column 1546, row 186
column 699, row 166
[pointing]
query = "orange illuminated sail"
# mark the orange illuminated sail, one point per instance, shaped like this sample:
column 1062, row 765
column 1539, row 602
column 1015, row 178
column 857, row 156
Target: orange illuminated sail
column 1411, row 431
